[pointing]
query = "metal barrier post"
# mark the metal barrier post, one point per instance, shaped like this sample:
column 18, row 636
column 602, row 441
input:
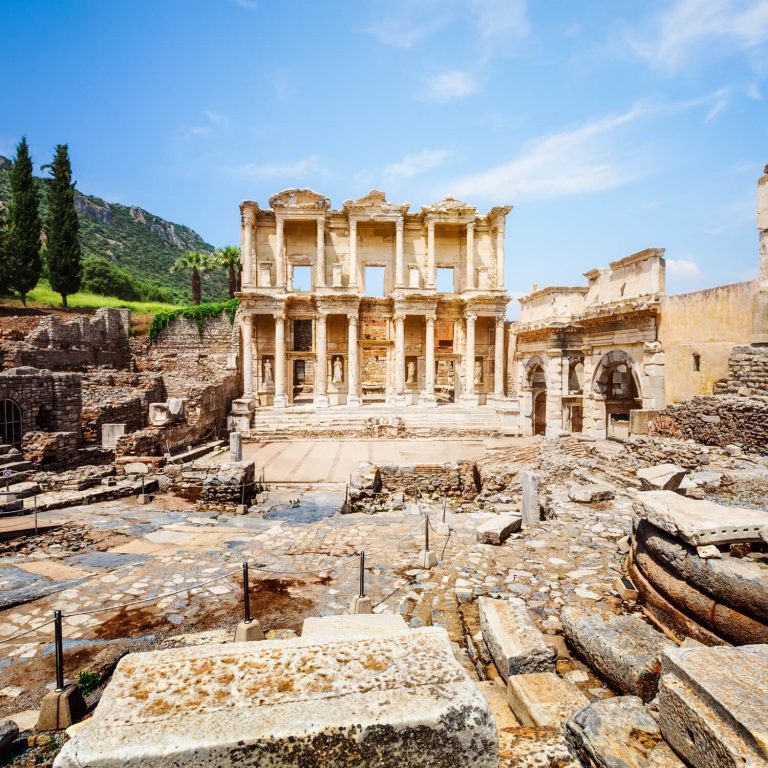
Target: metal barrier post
column 246, row 594
column 445, row 504
column 426, row 534
column 36, row 531
column 59, row 655
column 362, row 573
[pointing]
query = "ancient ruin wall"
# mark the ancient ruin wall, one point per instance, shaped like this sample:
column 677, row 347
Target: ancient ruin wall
column 724, row 420
column 747, row 372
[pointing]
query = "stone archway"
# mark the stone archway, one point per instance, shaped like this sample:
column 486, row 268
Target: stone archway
column 616, row 382
column 536, row 384
column 540, row 413
column 11, row 429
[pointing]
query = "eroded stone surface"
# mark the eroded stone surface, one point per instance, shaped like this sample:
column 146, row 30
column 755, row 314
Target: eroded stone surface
column 357, row 626
column 662, row 477
column 699, row 522
column 543, row 698
column 624, row 649
column 619, row 733
column 713, row 705
column 515, row 643
column 389, row 702
column 498, row 529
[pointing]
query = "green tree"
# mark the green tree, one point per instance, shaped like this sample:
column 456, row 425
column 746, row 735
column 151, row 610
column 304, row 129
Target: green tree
column 23, row 262
column 62, row 228
column 196, row 262
column 229, row 257
column 3, row 270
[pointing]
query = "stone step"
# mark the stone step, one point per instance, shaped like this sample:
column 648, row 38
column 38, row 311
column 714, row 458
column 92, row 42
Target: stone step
column 10, row 458
column 16, row 466
column 5, row 448
column 10, row 507
column 23, row 490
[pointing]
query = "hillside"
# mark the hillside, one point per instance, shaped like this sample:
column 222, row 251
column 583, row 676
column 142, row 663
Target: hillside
column 143, row 244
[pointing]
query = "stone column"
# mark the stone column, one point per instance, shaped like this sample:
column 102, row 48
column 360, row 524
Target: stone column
column 279, row 255
column 500, row 255
column 320, row 260
column 428, row 395
column 321, row 362
column 246, row 329
column 281, row 401
column 430, row 281
column 498, row 363
column 247, row 240
column 353, row 392
column 469, row 357
column 399, row 225
column 352, row 253
column 525, row 399
column 653, row 376
column 399, row 358
column 554, row 376
column 470, row 283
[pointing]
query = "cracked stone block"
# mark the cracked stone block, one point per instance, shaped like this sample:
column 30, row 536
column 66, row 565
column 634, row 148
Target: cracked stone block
column 498, row 529
column 543, row 698
column 661, row 477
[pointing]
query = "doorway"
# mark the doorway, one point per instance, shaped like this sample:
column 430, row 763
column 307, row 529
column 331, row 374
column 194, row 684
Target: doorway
column 10, row 423
column 540, row 413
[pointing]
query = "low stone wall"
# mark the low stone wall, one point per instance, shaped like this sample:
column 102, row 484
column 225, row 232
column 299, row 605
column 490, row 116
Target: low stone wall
column 51, row 450
column 455, row 480
column 723, row 420
column 214, row 483
column 747, row 373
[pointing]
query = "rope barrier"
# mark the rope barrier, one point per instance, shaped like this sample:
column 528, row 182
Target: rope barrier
column 26, row 632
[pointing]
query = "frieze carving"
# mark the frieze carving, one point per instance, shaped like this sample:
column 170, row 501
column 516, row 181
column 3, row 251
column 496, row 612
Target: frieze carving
column 373, row 204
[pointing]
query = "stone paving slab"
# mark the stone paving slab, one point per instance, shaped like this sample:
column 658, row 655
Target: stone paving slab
column 699, row 522
column 382, row 703
column 543, row 698
column 359, row 626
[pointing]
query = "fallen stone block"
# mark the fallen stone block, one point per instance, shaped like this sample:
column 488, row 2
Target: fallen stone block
column 358, row 626
column 496, row 697
column 515, row 643
column 543, row 698
column 383, row 703
column 713, row 705
column 531, row 503
column 619, row 733
column 590, row 494
column 699, row 522
column 624, row 650
column 662, row 477
column 534, row 748
column 8, row 732
column 498, row 529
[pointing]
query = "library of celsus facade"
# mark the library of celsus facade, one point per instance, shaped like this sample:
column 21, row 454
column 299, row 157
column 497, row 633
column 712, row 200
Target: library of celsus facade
column 312, row 333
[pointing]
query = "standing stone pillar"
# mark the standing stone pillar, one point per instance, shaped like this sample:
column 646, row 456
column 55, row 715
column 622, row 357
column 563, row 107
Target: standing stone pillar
column 247, row 241
column 399, row 277
column 470, row 256
column 400, row 359
column 352, row 253
column 525, row 398
column 469, row 357
column 428, row 396
column 500, row 255
column 554, row 375
column 246, row 329
column 498, row 363
column 279, row 254
column 321, row 362
column 353, row 389
column 430, row 254
column 320, row 258
column 280, row 401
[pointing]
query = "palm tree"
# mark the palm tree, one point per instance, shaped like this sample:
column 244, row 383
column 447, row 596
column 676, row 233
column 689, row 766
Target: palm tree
column 229, row 257
column 197, row 262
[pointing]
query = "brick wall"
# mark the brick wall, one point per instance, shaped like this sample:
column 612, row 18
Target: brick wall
column 747, row 372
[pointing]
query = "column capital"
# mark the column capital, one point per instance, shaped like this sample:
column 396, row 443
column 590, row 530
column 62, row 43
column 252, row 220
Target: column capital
column 248, row 215
column 471, row 317
column 399, row 224
column 279, row 316
column 430, row 319
column 500, row 320
column 321, row 316
column 398, row 317
column 352, row 318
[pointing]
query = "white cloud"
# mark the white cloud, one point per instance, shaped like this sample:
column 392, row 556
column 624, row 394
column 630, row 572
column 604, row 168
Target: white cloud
column 753, row 92
column 500, row 20
column 683, row 268
column 417, row 162
column 688, row 26
column 411, row 21
column 450, row 86
column 570, row 162
column 278, row 170
column 213, row 120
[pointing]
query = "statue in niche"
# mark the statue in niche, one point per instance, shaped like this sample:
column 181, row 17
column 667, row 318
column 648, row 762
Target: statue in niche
column 478, row 372
column 268, row 380
column 411, row 373
column 338, row 371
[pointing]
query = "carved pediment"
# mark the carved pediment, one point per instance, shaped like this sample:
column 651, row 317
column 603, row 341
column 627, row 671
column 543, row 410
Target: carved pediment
column 299, row 199
column 452, row 206
column 375, row 202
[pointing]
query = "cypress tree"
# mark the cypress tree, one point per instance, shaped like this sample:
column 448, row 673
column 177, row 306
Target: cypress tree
column 4, row 287
column 62, row 227
column 22, row 247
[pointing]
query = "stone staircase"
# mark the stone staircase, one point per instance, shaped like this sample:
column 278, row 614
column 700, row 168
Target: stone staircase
column 376, row 421
column 13, row 468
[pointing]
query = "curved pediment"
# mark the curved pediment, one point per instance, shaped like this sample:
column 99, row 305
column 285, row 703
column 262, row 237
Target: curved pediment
column 299, row 199
column 452, row 207
column 375, row 202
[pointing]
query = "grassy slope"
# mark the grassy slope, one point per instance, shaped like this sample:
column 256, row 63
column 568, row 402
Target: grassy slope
column 44, row 296
column 143, row 244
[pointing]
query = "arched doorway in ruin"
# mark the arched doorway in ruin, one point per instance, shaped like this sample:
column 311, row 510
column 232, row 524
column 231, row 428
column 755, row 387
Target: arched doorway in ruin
column 11, row 430
column 617, row 379
column 536, row 380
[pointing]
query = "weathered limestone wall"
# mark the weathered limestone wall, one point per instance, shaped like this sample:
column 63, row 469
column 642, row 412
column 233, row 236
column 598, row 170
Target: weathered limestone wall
column 48, row 401
column 706, row 323
column 723, row 420
column 637, row 275
column 458, row 480
column 101, row 340
column 747, row 372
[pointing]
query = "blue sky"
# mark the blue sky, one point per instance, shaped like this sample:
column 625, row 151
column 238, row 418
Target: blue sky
column 610, row 125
